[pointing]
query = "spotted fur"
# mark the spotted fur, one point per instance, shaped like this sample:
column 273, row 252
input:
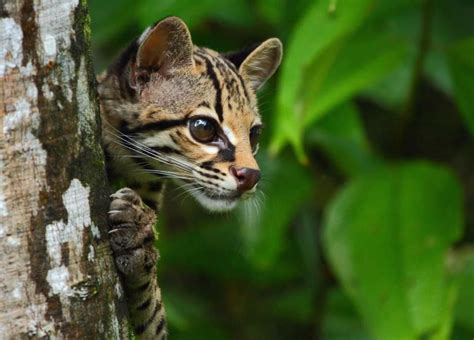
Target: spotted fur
column 148, row 98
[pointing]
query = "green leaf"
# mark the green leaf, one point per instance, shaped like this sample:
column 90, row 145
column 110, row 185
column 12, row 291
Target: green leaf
column 286, row 186
column 464, row 307
column 234, row 12
column 326, row 21
column 436, row 68
column 190, row 316
column 390, row 22
column 452, row 20
column 461, row 64
column 386, row 235
column 341, row 320
column 342, row 137
column 271, row 10
column 345, row 65
column 192, row 251
column 108, row 19
column 352, row 74
column 218, row 242
column 294, row 305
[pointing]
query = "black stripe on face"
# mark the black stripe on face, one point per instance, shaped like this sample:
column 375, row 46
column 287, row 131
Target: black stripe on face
column 239, row 77
column 215, row 83
column 155, row 126
column 209, row 175
column 209, row 166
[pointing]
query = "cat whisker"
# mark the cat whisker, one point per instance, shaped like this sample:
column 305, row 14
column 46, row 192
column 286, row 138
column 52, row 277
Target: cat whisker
column 163, row 174
column 142, row 149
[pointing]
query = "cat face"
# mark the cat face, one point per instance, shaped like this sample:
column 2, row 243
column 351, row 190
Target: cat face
column 194, row 112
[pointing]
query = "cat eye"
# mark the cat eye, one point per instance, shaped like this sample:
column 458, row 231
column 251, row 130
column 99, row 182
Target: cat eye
column 254, row 136
column 203, row 129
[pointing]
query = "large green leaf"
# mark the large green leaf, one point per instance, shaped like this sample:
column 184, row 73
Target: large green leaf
column 461, row 63
column 325, row 22
column 386, row 235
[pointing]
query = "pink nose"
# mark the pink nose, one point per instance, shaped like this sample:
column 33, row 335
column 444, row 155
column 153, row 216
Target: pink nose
column 246, row 178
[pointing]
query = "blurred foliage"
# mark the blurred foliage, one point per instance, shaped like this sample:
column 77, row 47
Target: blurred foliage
column 365, row 225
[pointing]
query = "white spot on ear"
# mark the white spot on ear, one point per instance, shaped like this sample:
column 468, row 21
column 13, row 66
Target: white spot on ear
column 230, row 135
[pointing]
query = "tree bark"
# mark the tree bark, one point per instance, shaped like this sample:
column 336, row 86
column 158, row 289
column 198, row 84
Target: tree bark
column 57, row 277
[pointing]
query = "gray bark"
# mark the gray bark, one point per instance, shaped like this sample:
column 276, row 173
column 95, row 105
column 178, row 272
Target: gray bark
column 57, row 277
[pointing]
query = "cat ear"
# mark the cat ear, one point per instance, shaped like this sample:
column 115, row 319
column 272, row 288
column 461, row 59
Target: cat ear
column 258, row 63
column 164, row 48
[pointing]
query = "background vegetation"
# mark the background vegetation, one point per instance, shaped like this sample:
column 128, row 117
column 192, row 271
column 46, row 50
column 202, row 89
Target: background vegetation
column 366, row 226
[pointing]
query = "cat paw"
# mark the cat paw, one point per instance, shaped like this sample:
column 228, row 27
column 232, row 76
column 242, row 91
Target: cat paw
column 131, row 232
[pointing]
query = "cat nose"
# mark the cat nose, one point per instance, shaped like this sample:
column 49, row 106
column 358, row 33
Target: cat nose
column 246, row 178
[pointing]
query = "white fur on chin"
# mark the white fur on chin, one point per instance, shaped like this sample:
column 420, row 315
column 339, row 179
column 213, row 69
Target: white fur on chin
column 215, row 205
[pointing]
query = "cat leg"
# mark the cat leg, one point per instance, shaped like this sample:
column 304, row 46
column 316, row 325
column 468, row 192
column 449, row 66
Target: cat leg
column 132, row 239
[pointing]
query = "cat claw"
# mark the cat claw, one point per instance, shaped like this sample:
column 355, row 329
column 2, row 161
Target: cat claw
column 131, row 228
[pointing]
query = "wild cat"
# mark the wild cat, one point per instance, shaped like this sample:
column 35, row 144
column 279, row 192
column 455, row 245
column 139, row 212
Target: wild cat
column 176, row 111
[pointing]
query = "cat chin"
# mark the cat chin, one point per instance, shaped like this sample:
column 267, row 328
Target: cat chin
column 215, row 205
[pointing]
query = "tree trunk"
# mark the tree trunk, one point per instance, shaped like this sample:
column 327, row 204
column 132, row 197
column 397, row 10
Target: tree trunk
column 57, row 277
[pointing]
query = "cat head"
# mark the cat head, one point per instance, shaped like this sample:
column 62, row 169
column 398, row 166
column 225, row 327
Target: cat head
column 191, row 113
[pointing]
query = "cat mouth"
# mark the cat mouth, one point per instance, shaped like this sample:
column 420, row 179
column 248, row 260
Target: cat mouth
column 216, row 201
column 230, row 196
